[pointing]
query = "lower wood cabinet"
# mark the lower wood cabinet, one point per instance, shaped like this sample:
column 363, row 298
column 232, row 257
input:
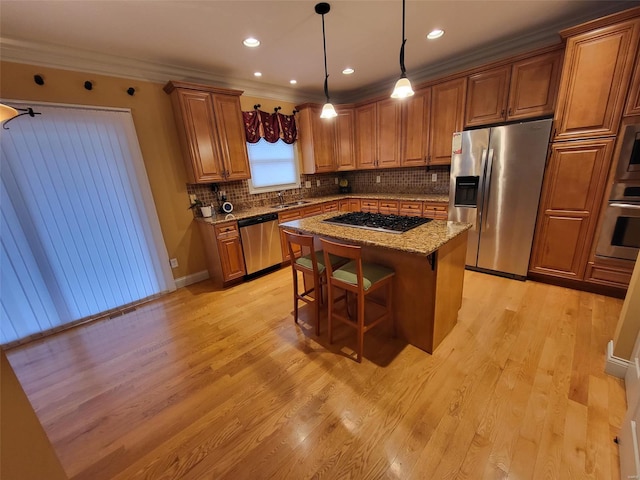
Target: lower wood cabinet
column 411, row 208
column 223, row 250
column 370, row 206
column 388, row 207
column 437, row 211
column 330, row 207
column 611, row 272
column 571, row 197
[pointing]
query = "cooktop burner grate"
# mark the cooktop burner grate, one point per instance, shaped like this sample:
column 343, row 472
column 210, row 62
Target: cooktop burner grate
column 378, row 221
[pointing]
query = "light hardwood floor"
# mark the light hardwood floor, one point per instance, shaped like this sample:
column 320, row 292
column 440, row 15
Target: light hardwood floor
column 222, row 384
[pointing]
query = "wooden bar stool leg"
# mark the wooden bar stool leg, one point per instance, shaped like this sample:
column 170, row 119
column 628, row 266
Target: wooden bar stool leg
column 295, row 296
column 390, row 309
column 360, row 315
column 330, row 312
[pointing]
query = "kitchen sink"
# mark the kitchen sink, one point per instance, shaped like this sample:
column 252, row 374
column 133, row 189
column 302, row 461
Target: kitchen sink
column 292, row 204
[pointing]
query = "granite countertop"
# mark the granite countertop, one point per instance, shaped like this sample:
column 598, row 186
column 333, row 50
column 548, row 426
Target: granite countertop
column 257, row 211
column 422, row 240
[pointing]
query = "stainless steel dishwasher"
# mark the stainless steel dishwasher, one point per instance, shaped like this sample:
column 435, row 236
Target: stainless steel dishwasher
column 260, row 242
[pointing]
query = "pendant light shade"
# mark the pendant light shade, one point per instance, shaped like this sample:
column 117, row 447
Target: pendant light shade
column 327, row 110
column 403, row 85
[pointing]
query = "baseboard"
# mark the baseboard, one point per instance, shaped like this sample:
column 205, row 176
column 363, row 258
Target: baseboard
column 193, row 278
column 615, row 366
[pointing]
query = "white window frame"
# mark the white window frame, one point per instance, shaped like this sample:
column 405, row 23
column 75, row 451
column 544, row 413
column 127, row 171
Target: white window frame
column 279, row 187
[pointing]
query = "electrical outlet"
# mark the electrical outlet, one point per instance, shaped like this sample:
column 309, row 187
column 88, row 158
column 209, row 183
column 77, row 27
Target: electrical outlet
column 192, row 198
column 377, row 178
column 307, row 184
column 318, row 183
column 434, row 177
column 335, row 180
column 174, row 262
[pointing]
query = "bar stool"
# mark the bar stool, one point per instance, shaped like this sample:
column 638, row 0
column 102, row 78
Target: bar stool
column 311, row 263
column 360, row 278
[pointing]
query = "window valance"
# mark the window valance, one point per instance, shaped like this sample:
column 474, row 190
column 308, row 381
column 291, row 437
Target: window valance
column 270, row 126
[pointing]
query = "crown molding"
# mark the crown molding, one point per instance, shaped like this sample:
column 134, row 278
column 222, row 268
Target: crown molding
column 66, row 58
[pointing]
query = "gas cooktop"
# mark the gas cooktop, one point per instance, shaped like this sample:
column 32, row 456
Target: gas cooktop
column 378, row 221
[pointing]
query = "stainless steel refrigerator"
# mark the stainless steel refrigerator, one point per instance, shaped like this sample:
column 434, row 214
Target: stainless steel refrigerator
column 496, row 178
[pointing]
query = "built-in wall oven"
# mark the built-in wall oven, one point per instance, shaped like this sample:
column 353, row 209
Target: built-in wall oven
column 620, row 229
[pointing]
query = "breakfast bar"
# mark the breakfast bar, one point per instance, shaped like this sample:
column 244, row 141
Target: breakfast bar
column 429, row 264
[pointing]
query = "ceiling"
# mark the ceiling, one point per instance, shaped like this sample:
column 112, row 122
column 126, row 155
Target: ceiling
column 202, row 40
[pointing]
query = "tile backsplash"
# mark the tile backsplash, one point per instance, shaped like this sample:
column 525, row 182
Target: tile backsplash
column 392, row 180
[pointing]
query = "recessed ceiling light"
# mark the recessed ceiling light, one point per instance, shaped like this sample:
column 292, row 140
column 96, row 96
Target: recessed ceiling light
column 257, row 74
column 293, row 82
column 437, row 33
column 251, row 42
column 348, row 71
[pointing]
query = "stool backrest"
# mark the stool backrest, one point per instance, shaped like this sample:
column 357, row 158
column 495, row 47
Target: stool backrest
column 352, row 252
column 305, row 242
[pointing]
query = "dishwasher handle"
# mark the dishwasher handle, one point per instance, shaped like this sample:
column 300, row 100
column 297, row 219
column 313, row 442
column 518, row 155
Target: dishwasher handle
column 267, row 217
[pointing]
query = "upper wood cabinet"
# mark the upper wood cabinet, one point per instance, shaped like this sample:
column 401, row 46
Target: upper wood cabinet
column 389, row 123
column 446, row 117
column 572, row 193
column 487, row 95
column 345, row 138
column 366, row 136
column 211, row 132
column 326, row 144
column 316, row 137
column 415, row 128
column 378, row 130
column 633, row 99
column 525, row 89
column 595, row 76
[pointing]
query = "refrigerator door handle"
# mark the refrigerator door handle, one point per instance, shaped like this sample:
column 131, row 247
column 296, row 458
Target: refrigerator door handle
column 485, row 205
column 483, row 176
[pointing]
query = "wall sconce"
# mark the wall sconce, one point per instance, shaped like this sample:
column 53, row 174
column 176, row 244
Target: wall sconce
column 8, row 113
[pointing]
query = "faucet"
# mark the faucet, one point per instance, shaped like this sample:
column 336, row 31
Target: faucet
column 280, row 197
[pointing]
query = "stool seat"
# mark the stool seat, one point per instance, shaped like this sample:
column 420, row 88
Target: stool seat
column 307, row 261
column 371, row 273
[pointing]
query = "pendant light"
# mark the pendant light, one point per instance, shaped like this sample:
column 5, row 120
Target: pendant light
column 7, row 112
column 403, row 85
column 327, row 110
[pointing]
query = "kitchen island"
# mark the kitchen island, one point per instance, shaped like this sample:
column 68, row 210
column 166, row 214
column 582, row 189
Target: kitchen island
column 429, row 264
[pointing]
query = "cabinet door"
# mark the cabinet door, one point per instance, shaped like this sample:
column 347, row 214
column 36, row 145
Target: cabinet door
column 487, row 94
column 231, row 134
column 389, row 130
column 230, row 251
column 596, row 73
column 366, row 136
column 317, row 140
column 354, row 205
column 197, row 127
column 388, row 207
column 370, row 206
column 534, row 86
column 415, row 128
column 571, row 198
column 447, row 117
column 411, row 208
column 633, row 100
column 437, row 211
column 345, row 139
column 330, row 206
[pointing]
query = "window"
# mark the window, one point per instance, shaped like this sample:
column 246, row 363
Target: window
column 274, row 166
